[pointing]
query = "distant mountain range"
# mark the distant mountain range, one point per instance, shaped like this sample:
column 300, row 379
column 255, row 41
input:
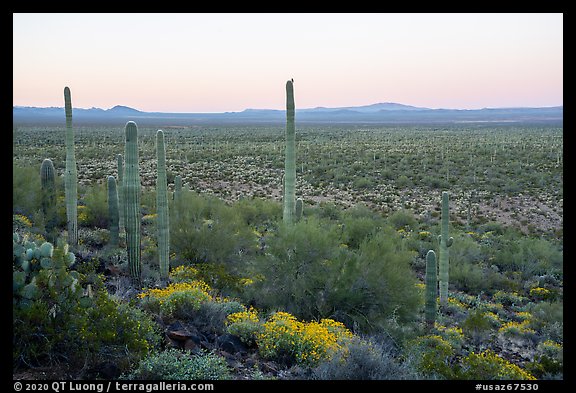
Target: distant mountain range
column 385, row 113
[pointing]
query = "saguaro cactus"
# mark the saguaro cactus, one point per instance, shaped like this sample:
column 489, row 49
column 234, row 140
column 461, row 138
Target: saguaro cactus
column 113, row 211
column 47, row 180
column 132, row 201
column 162, row 221
column 121, row 207
column 71, row 174
column 445, row 243
column 299, row 209
column 290, row 157
column 177, row 189
column 431, row 293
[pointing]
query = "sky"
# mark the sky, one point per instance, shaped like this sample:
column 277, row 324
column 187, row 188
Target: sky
column 219, row 62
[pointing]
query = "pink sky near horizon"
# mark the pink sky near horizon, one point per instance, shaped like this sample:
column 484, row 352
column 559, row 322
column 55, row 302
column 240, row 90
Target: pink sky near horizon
column 230, row 62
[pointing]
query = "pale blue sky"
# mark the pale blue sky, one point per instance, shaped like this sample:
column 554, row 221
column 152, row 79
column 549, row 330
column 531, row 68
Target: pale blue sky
column 229, row 62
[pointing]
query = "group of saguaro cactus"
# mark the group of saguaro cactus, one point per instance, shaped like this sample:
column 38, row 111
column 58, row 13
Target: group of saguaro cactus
column 437, row 278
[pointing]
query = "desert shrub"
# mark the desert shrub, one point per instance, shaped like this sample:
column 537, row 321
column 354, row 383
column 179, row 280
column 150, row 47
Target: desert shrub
column 548, row 319
column 95, row 210
column 245, row 324
column 359, row 224
column 548, row 361
column 307, row 273
column 212, row 314
column 178, row 300
column 288, row 340
column 26, row 190
column 257, row 212
column 530, row 256
column 489, row 366
column 209, row 232
column 361, row 359
column 61, row 314
column 402, row 219
column 433, row 356
column 172, row 364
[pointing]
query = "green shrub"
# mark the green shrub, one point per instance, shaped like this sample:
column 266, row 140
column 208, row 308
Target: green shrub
column 59, row 313
column 177, row 300
column 172, row 364
column 307, row 273
column 96, row 202
column 489, row 366
column 433, row 356
column 364, row 360
column 245, row 324
column 26, row 190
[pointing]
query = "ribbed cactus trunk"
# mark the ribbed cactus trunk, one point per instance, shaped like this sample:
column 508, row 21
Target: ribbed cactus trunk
column 162, row 221
column 120, row 187
column 299, row 209
column 445, row 243
column 48, row 184
column 290, row 157
column 177, row 189
column 431, row 294
column 71, row 174
column 132, row 201
column 113, row 211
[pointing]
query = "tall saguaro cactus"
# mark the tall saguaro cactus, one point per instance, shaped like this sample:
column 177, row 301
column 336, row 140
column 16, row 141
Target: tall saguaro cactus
column 47, row 181
column 445, row 244
column 431, row 293
column 71, row 174
column 162, row 220
column 121, row 208
column 290, row 158
column 132, row 201
column 113, row 211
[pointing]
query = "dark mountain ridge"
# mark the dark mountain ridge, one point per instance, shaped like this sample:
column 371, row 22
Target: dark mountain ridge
column 375, row 113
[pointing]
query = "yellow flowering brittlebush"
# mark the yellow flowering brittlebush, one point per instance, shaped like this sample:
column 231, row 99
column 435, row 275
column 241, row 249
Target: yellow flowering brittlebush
column 244, row 324
column 284, row 337
column 488, row 365
column 184, row 273
column 179, row 296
